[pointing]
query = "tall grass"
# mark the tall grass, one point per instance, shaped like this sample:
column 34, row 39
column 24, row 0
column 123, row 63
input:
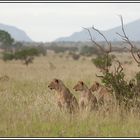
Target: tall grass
column 28, row 108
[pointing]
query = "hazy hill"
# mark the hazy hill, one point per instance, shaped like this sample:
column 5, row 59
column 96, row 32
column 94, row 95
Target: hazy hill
column 132, row 29
column 17, row 34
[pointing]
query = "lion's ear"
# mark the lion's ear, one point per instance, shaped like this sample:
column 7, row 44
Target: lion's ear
column 81, row 82
column 97, row 84
column 56, row 80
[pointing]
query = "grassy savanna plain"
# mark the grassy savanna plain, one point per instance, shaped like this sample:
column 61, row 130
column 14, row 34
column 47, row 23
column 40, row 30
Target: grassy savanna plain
column 28, row 108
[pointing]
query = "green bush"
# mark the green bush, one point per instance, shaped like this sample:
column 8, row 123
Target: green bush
column 7, row 56
column 88, row 51
column 136, row 85
column 42, row 50
column 119, row 85
column 5, row 39
column 74, row 55
column 101, row 61
column 26, row 55
column 138, row 78
column 60, row 49
column 124, row 90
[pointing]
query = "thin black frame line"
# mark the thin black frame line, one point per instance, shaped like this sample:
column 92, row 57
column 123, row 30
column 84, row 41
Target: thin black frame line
column 64, row 2
column 76, row 1
column 72, row 137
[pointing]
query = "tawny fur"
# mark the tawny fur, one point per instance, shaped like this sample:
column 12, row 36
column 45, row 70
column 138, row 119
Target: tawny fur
column 65, row 99
column 87, row 99
column 102, row 93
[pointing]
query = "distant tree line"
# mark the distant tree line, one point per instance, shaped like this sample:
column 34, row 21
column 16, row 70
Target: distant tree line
column 17, row 51
column 62, row 49
column 13, row 50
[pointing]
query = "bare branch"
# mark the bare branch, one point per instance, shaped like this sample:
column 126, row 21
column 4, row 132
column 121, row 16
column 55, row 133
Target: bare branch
column 126, row 39
column 106, row 52
column 100, row 76
column 123, row 37
column 138, row 54
column 120, row 35
column 119, row 68
column 109, row 44
column 123, row 28
column 91, row 38
column 101, row 35
column 126, row 48
column 115, row 69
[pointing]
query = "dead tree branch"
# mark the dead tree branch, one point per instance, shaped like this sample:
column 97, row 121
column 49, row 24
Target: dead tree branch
column 109, row 44
column 119, row 68
column 104, row 51
column 91, row 38
column 126, row 39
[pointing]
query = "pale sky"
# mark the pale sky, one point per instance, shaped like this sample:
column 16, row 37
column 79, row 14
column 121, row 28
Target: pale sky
column 48, row 21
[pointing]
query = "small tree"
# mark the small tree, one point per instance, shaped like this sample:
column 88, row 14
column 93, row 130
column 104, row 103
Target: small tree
column 42, row 50
column 138, row 78
column 88, row 51
column 104, row 51
column 5, row 39
column 74, row 55
column 100, row 61
column 26, row 55
column 135, row 52
column 8, row 56
column 116, row 79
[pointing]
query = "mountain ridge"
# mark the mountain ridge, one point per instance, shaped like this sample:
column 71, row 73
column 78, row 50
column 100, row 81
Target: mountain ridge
column 16, row 33
column 132, row 30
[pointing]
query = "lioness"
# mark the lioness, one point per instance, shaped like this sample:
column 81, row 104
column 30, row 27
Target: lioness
column 102, row 93
column 87, row 99
column 65, row 98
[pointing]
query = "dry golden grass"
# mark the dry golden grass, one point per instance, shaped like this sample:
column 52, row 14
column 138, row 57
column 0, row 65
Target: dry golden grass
column 27, row 106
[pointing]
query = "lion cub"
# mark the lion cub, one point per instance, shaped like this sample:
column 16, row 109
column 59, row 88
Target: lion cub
column 102, row 93
column 65, row 99
column 87, row 99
